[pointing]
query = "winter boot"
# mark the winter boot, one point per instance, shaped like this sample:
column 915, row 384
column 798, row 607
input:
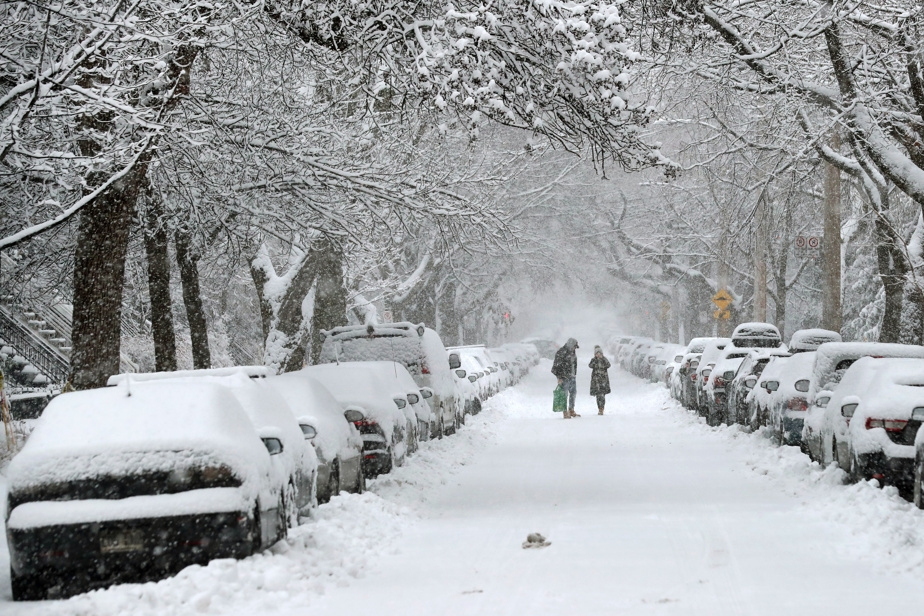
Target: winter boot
column 573, row 414
column 600, row 410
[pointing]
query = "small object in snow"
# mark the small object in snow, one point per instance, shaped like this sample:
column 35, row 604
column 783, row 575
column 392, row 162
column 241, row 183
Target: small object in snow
column 535, row 540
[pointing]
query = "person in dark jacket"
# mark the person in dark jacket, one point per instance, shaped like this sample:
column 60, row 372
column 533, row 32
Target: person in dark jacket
column 599, row 379
column 564, row 366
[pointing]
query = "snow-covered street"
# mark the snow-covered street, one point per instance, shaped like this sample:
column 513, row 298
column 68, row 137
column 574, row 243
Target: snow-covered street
column 647, row 510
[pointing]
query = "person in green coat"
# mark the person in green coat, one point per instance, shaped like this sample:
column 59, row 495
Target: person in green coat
column 599, row 379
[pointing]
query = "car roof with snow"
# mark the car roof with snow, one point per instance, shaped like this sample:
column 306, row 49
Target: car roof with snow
column 713, row 350
column 698, row 345
column 121, row 430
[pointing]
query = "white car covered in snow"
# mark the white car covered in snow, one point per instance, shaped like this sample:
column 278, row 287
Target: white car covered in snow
column 868, row 428
column 374, row 410
column 336, row 441
column 416, row 347
column 805, row 340
column 135, row 482
column 271, row 417
column 832, row 360
column 785, row 408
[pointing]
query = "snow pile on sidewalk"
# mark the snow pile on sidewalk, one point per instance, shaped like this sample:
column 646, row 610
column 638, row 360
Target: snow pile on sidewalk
column 884, row 529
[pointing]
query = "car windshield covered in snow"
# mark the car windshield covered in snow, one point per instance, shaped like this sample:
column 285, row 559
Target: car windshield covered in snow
column 810, row 339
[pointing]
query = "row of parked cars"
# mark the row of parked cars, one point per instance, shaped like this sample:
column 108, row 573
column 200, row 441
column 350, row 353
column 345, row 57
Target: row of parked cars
column 159, row 471
column 858, row 405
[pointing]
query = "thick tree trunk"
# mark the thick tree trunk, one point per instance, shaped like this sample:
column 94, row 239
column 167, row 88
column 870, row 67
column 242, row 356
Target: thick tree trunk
column 99, row 273
column 760, row 260
column 831, row 317
column 893, row 282
column 330, row 298
column 156, row 245
column 192, row 300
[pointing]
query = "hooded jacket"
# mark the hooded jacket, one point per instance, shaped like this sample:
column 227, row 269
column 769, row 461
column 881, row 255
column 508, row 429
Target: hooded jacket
column 564, row 366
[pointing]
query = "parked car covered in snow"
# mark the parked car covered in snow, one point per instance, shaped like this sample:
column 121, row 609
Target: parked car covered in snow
column 371, row 407
column 832, row 361
column 336, row 441
column 688, row 379
column 135, row 482
column 417, row 410
column 787, row 403
column 746, row 378
column 711, row 353
column 418, row 348
column 271, row 417
column 544, row 346
column 868, row 428
column 714, row 391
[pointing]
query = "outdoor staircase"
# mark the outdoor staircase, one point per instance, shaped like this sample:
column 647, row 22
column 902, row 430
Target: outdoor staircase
column 40, row 335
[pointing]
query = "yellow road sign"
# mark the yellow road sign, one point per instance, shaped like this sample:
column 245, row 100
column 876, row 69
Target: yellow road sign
column 722, row 299
column 722, row 314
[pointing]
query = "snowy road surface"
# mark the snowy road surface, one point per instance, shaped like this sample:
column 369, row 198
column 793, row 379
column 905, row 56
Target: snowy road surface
column 648, row 511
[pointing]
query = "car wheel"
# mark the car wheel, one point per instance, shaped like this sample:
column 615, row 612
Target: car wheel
column 257, row 530
column 361, row 482
column 918, row 495
column 389, row 463
column 333, row 482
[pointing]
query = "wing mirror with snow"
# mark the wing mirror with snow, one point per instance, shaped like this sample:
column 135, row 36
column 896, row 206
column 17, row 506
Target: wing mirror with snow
column 472, row 378
column 426, row 392
column 772, row 386
column 802, row 385
column 461, row 373
column 400, row 402
column 308, row 431
column 918, row 414
column 728, row 375
column 413, row 398
column 454, row 361
column 273, row 445
column 354, row 415
column 750, row 382
column 849, row 406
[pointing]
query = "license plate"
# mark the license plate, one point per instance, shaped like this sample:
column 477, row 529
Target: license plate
column 121, row 541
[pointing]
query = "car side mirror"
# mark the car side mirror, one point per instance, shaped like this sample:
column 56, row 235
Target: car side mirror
column 460, row 373
column 802, row 385
column 273, row 445
column 750, row 382
column 847, row 410
column 918, row 414
column 773, row 385
column 729, row 375
column 426, row 393
column 454, row 361
column 472, row 378
column 413, row 398
column 308, row 431
column 400, row 402
column 354, row 415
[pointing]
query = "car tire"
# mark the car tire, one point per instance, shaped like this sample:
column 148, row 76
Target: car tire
column 361, row 481
column 333, row 481
column 257, row 531
column 780, row 440
column 918, row 494
column 442, row 429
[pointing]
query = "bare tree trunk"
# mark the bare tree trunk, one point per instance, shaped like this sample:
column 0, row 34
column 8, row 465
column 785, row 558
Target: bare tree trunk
column 760, row 260
column 156, row 245
column 831, row 317
column 99, row 274
column 330, row 297
column 892, row 273
column 192, row 300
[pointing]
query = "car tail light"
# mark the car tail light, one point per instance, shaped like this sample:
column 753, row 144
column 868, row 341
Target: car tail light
column 890, row 425
column 705, row 379
column 797, row 404
column 425, row 369
column 365, row 423
column 718, row 382
column 693, row 377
